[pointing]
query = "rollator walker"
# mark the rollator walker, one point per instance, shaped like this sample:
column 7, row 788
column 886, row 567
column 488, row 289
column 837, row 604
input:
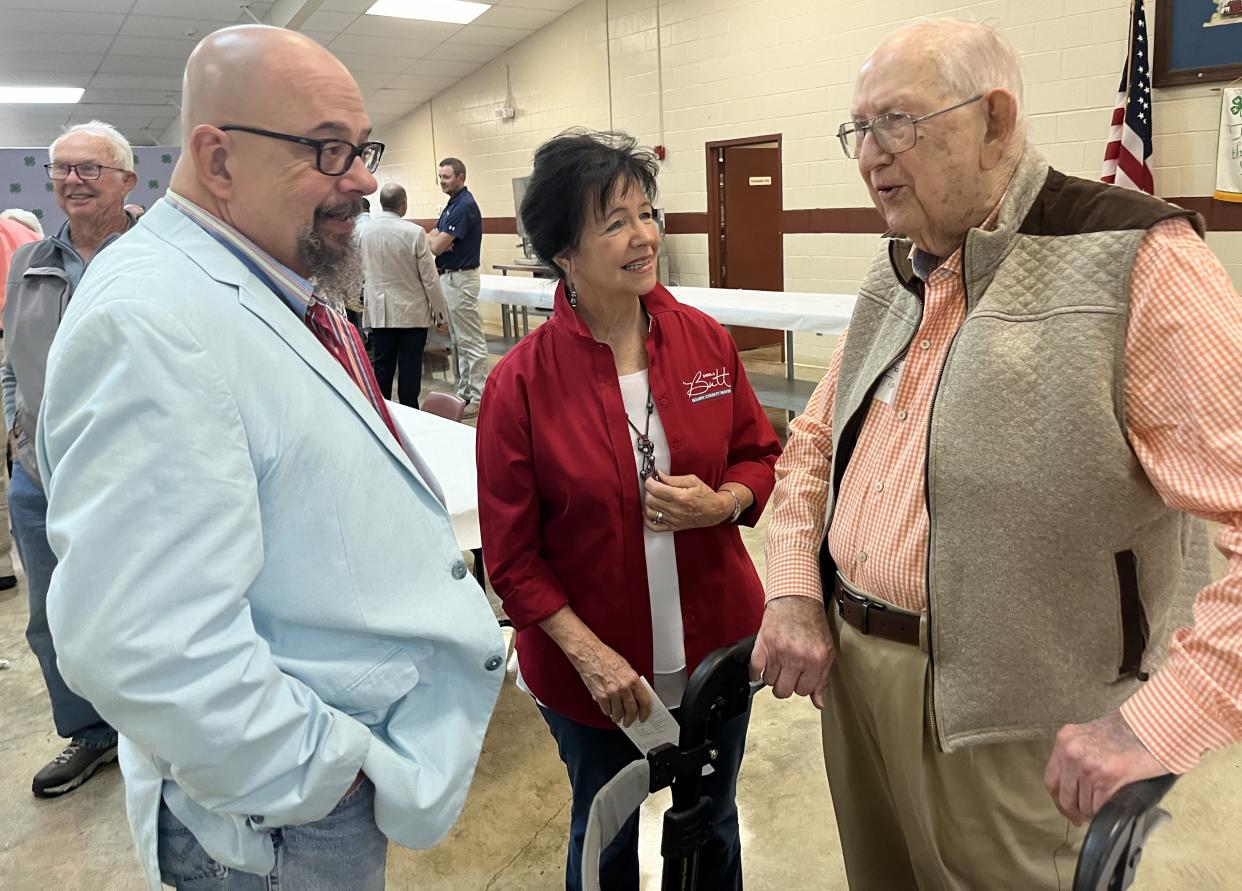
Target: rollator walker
column 720, row 689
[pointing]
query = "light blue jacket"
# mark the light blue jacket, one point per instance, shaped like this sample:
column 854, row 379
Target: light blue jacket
column 256, row 587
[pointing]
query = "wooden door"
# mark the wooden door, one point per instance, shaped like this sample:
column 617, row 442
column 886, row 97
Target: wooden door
column 750, row 253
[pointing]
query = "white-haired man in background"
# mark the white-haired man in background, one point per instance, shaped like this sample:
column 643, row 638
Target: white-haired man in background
column 993, row 489
column 92, row 170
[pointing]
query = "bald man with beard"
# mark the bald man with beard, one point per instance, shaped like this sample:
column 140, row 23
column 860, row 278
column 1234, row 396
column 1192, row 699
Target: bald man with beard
column 294, row 684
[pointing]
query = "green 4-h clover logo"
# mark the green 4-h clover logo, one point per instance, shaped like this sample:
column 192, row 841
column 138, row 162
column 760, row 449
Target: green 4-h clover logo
column 165, row 159
column 1236, row 106
column 28, row 160
column 153, row 184
column 38, row 213
column 15, row 187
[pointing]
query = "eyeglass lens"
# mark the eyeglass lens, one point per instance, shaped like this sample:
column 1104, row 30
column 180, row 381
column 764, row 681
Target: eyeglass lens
column 335, row 156
column 893, row 133
column 85, row 171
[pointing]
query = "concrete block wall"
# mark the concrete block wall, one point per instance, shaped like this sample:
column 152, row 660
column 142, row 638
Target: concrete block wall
column 685, row 72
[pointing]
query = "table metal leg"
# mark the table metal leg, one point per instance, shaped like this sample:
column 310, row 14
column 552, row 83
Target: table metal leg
column 525, row 322
column 504, row 319
column 789, row 366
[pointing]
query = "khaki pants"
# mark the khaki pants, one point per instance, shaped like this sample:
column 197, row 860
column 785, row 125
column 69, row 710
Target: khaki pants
column 912, row 817
column 461, row 293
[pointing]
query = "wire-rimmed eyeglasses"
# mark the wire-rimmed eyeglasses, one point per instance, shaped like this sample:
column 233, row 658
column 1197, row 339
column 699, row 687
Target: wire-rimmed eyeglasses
column 894, row 131
column 87, row 170
column 333, row 157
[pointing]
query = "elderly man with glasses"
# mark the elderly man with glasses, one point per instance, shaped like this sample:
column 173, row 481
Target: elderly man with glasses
column 92, row 170
column 295, row 683
column 992, row 492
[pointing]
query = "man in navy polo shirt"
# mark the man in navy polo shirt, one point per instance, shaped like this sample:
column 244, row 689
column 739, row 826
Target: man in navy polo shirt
column 455, row 241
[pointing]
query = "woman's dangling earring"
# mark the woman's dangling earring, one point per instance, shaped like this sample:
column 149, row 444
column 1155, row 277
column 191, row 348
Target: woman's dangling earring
column 573, row 295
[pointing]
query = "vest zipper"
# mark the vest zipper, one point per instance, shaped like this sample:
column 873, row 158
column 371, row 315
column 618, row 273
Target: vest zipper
column 927, row 498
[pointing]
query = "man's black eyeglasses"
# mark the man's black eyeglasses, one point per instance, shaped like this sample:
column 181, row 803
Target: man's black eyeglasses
column 333, row 157
column 87, row 170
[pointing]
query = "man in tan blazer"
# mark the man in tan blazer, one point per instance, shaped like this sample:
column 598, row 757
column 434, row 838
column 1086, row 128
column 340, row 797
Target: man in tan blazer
column 403, row 295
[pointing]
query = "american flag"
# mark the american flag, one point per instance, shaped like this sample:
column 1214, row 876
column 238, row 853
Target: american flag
column 1126, row 159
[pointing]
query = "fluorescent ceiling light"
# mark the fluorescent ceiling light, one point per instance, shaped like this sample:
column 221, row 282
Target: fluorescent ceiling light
column 39, row 95
column 457, row 11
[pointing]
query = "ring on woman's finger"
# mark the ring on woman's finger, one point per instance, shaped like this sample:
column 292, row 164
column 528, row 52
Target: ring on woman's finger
column 659, row 517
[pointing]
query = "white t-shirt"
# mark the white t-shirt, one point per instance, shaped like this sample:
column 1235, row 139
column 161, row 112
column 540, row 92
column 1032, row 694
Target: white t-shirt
column 668, row 637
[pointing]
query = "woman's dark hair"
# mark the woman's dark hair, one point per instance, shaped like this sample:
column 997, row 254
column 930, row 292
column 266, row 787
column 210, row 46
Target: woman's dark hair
column 574, row 171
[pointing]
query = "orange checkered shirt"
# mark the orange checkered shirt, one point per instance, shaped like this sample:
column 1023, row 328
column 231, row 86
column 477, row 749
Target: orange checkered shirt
column 1183, row 387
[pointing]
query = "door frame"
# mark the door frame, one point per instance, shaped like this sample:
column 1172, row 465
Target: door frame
column 713, row 201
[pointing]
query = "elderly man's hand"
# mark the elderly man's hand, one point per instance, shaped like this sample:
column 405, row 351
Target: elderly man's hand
column 1090, row 762
column 793, row 651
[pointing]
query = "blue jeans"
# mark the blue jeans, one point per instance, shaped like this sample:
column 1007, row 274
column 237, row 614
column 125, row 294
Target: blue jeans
column 345, row 851
column 593, row 756
column 75, row 718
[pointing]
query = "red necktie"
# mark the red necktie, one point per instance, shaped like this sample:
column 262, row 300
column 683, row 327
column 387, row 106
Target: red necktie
column 341, row 339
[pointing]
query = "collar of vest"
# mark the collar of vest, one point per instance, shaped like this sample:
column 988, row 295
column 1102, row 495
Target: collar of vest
column 1041, row 201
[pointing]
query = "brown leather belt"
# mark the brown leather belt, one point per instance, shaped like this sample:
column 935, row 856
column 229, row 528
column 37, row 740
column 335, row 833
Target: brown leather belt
column 872, row 617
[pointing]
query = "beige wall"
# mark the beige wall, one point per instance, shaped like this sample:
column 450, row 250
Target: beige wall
column 731, row 68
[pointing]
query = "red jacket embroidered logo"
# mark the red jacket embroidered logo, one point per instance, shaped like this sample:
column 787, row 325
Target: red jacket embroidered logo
column 708, row 385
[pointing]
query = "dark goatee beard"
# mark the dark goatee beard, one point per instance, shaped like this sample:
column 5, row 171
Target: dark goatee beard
column 336, row 272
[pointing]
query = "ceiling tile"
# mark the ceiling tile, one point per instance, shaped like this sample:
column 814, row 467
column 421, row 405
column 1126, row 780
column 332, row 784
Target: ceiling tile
column 117, row 64
column 136, row 82
column 106, row 96
column 420, row 82
column 409, row 97
column 171, row 28
column 322, row 20
column 57, row 22
column 209, row 10
column 387, row 26
column 516, row 17
column 441, row 68
column 75, row 6
column 484, row 36
column 31, row 41
column 381, row 46
column 372, row 80
column 558, row 5
column 153, row 46
column 46, row 79
column 355, row 6
column 453, row 52
column 359, row 62
column 323, row 38
column 17, row 62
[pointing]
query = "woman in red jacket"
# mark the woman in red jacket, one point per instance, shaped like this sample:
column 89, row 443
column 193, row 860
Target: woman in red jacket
column 619, row 446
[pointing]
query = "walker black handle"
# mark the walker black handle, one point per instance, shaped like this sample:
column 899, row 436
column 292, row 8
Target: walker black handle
column 718, row 691
column 1114, row 843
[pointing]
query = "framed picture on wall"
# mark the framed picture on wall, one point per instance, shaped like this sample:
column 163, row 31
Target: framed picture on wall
column 1197, row 41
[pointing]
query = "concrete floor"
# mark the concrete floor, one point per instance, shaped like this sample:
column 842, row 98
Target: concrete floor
column 511, row 836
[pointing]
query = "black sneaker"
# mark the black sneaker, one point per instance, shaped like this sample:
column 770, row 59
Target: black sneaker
column 7, row 581
column 71, row 768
